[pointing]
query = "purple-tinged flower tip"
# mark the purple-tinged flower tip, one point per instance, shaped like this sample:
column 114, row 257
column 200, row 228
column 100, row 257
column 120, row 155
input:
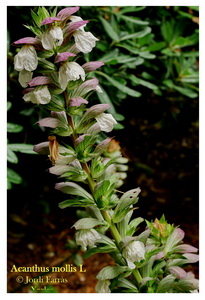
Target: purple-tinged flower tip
column 50, row 20
column 185, row 248
column 178, row 272
column 92, row 66
column 77, row 101
column 42, row 148
column 87, row 86
column 80, row 139
column 191, row 258
column 50, row 122
column 27, row 90
column 73, row 26
column 159, row 255
column 175, row 238
column 39, row 80
column 94, row 111
column 27, row 40
column 63, row 56
column 66, row 12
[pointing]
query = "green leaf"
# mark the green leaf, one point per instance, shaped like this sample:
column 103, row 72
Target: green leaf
column 77, row 202
column 140, row 81
column 99, row 249
column 125, row 283
column 147, row 55
column 135, row 35
column 11, row 127
column 128, row 9
column 132, row 226
column 186, row 91
column 11, row 156
column 9, row 105
column 72, row 188
column 87, row 223
column 123, row 207
column 156, row 46
column 13, row 176
column 36, row 18
column 23, row 148
column 111, row 272
column 121, row 87
column 109, row 29
column 134, row 20
column 165, row 284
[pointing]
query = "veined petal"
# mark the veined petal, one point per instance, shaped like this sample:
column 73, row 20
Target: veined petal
column 77, row 101
column 63, row 56
column 178, row 272
column 39, row 95
column 39, row 80
column 51, row 37
column 66, row 12
column 106, row 122
column 50, row 122
column 92, row 66
column 85, row 41
column 94, row 111
column 27, row 40
column 70, row 71
column 86, row 87
column 73, row 26
column 42, row 148
column 26, row 59
column 25, row 77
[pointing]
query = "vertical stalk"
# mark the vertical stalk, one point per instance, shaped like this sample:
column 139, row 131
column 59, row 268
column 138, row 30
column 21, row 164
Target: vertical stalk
column 91, row 183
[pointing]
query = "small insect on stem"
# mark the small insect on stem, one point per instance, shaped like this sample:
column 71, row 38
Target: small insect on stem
column 53, row 149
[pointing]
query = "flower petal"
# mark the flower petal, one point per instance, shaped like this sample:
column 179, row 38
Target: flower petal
column 25, row 77
column 92, row 66
column 27, row 40
column 77, row 101
column 39, row 80
column 85, row 41
column 50, row 20
column 63, row 56
column 106, row 122
column 66, row 12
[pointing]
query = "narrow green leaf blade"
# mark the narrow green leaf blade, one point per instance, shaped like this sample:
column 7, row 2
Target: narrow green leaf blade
column 109, row 29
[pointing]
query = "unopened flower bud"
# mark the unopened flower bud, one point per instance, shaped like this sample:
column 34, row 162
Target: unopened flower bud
column 87, row 237
column 134, row 252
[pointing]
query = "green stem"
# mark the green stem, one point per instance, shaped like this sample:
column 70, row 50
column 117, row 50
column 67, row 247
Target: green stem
column 105, row 214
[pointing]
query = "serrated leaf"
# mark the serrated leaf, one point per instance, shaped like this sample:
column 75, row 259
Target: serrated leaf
column 111, row 272
column 109, row 29
column 11, row 127
column 11, row 156
column 120, row 86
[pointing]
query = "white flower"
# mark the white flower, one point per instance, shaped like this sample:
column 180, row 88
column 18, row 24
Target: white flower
column 106, row 122
column 103, row 286
column 51, row 37
column 87, row 237
column 134, row 252
column 70, row 71
column 24, row 77
column 26, row 59
column 40, row 95
column 84, row 41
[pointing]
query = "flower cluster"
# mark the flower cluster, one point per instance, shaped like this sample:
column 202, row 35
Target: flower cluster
column 149, row 262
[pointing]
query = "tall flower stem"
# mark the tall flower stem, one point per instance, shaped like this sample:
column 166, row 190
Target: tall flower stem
column 91, row 183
